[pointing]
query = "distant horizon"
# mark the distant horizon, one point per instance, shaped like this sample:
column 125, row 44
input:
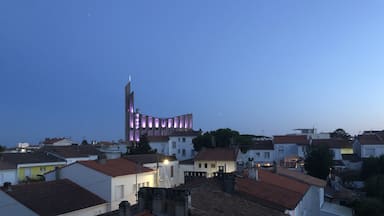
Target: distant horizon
column 258, row 67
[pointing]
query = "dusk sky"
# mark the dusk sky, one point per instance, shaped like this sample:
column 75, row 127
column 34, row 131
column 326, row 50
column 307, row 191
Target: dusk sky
column 256, row 66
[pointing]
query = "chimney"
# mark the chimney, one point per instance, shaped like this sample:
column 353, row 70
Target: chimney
column 7, row 186
column 57, row 173
column 125, row 208
column 253, row 173
column 102, row 159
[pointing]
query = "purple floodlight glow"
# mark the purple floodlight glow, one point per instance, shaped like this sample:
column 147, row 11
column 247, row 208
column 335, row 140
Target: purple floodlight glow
column 156, row 123
column 170, row 123
column 163, row 123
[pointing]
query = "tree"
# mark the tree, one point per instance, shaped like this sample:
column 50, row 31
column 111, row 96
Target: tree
column 142, row 147
column 372, row 166
column 84, row 142
column 2, row 148
column 318, row 161
column 341, row 134
column 219, row 138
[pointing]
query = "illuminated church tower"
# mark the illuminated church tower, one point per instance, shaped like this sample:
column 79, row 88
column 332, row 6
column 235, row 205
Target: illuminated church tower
column 137, row 124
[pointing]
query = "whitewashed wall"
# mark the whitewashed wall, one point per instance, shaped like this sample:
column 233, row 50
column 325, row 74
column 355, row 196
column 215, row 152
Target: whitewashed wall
column 8, row 176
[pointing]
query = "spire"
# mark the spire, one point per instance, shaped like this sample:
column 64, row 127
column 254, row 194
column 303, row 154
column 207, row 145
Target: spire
column 129, row 78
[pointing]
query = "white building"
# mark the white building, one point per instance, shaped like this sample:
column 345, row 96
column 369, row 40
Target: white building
column 260, row 153
column 369, row 144
column 337, row 146
column 214, row 160
column 178, row 144
column 289, row 148
column 8, row 172
column 167, row 168
column 113, row 180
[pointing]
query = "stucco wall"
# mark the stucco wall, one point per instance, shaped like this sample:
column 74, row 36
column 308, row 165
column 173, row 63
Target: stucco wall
column 8, row 176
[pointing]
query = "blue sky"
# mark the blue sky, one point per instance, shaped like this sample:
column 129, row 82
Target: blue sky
column 253, row 66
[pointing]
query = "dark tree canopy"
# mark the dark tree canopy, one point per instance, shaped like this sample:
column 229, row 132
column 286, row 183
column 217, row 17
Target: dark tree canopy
column 372, row 166
column 2, row 148
column 84, row 142
column 318, row 162
column 341, row 134
column 223, row 137
column 142, row 147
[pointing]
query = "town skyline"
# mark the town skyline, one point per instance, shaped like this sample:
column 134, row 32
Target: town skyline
column 261, row 68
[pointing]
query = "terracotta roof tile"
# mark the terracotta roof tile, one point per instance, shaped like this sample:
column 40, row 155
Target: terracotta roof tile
column 268, row 194
column 333, row 143
column 301, row 177
column 116, row 167
column 291, row 139
column 216, row 154
column 371, row 139
column 54, row 197
column 282, row 181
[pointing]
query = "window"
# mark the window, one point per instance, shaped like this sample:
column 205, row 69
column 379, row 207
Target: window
column 213, row 165
column 199, row 165
column 174, row 144
column 266, row 154
column 178, row 151
column 119, row 192
column 42, row 169
column 171, row 171
column 205, row 165
column 221, row 168
column 257, row 154
column 183, row 139
column 183, row 152
column 192, row 152
column 370, row 152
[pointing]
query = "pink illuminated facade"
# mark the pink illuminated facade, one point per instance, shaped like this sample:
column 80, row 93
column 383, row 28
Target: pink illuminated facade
column 137, row 124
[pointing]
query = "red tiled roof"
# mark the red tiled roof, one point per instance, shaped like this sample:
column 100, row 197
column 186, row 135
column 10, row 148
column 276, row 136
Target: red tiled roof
column 371, row 139
column 269, row 194
column 301, row 177
column 333, row 143
column 291, row 139
column 54, row 197
column 216, row 154
column 116, row 167
column 282, row 181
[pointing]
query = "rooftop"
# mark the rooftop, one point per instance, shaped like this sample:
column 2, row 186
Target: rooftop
column 149, row 158
column 216, row 154
column 116, row 167
column 291, row 139
column 52, row 140
column 208, row 198
column 301, row 177
column 72, row 151
column 273, row 190
column 333, row 143
column 374, row 139
column 187, row 162
column 29, row 157
column 54, row 197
